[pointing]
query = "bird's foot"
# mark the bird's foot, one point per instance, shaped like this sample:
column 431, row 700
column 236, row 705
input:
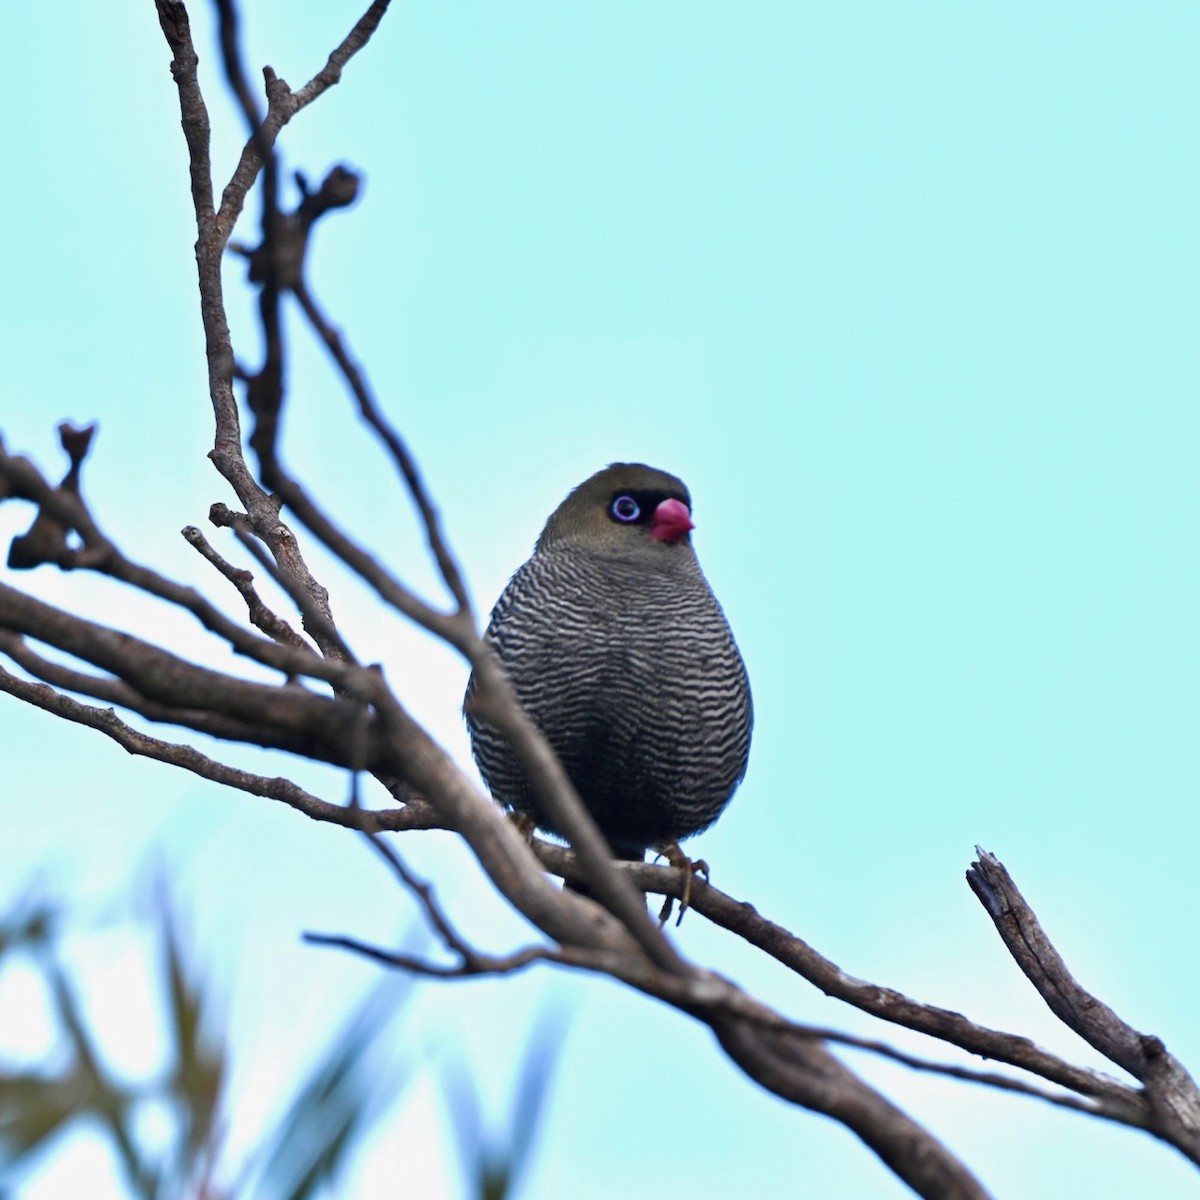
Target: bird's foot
column 691, row 867
column 525, row 823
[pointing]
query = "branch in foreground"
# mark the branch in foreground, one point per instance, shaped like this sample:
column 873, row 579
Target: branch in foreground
column 808, row 1074
column 1115, row 1100
column 744, row 920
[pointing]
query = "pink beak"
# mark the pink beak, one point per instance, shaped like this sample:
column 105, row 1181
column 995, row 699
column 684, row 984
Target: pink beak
column 671, row 522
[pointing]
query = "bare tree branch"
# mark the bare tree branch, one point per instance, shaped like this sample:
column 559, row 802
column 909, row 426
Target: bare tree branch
column 466, row 968
column 213, row 232
column 808, row 1074
column 287, row 103
column 403, row 459
column 1170, row 1092
column 793, row 952
column 262, row 617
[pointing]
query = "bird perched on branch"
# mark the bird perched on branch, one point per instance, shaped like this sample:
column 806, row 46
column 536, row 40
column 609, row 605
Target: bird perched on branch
column 621, row 655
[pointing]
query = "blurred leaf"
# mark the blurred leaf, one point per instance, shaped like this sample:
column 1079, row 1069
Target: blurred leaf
column 344, row 1094
column 32, row 1109
column 200, row 1062
column 31, row 923
column 466, row 1119
column 100, row 1094
column 542, row 1055
column 497, row 1163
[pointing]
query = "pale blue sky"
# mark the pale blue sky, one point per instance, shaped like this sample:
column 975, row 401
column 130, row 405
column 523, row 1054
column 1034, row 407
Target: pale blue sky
column 907, row 293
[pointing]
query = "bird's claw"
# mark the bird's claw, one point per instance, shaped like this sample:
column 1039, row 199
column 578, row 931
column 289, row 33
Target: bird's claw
column 691, row 867
column 525, row 824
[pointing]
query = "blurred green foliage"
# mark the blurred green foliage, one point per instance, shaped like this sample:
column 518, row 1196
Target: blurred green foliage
column 346, row 1091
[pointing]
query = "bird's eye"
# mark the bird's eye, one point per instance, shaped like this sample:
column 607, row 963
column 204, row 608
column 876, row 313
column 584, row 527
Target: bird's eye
column 626, row 509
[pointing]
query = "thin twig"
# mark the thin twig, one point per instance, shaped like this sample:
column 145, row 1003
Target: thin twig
column 467, row 967
column 316, row 622
column 99, row 553
column 399, row 451
column 451, row 938
column 281, row 110
column 261, row 615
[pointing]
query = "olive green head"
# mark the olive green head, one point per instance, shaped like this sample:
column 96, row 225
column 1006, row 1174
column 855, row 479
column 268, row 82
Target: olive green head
column 626, row 508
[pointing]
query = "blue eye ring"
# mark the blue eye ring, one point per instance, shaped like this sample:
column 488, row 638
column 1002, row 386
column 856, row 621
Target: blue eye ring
column 625, row 509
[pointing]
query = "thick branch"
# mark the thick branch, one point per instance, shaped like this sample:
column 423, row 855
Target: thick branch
column 287, row 717
column 1120, row 1102
column 414, row 815
column 808, row 1074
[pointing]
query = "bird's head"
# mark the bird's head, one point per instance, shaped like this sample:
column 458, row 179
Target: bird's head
column 626, row 509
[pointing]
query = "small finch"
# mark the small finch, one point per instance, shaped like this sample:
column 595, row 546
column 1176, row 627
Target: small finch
column 621, row 655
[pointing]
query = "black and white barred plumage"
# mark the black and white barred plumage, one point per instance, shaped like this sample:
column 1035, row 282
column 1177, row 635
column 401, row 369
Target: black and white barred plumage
column 623, row 658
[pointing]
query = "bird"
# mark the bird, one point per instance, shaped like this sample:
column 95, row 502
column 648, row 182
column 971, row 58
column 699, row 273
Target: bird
column 621, row 655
